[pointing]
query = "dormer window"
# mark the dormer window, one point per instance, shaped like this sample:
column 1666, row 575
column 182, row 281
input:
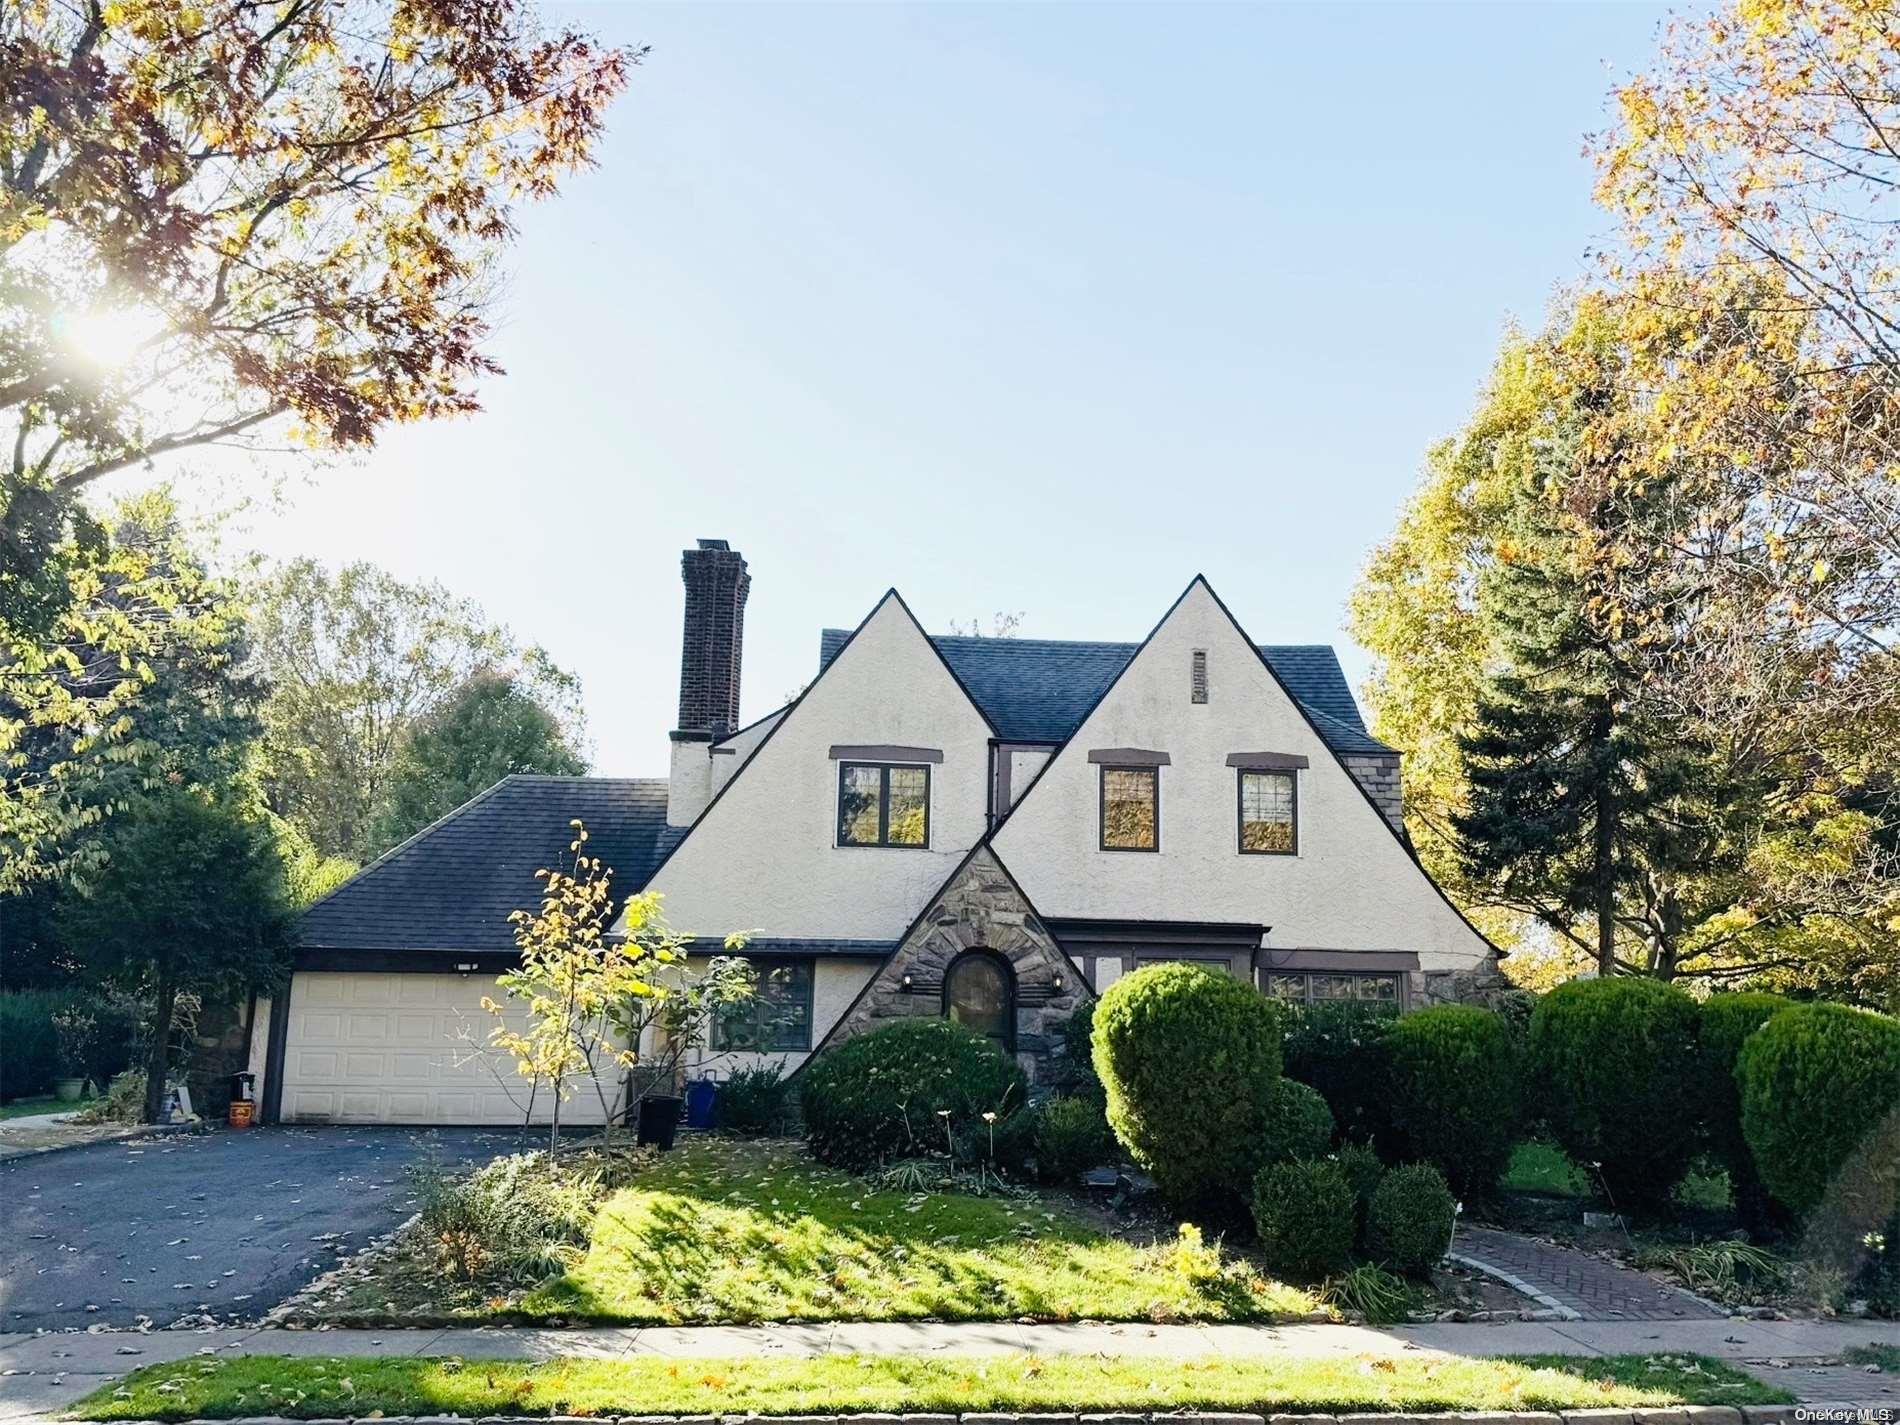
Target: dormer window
column 883, row 804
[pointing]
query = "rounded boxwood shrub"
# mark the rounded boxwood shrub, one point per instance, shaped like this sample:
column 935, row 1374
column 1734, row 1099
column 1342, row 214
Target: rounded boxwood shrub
column 1303, row 1213
column 1820, row 1092
column 1614, row 1063
column 1410, row 1218
column 1298, row 1123
column 1338, row 1046
column 1456, row 1076
column 1727, row 1020
column 880, row 1095
column 1363, row 1168
column 1188, row 1058
column 1072, row 1136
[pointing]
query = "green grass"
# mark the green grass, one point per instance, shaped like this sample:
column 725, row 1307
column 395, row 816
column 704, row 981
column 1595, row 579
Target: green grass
column 26, row 1107
column 1544, row 1167
column 1873, row 1354
column 342, row 1386
column 732, row 1231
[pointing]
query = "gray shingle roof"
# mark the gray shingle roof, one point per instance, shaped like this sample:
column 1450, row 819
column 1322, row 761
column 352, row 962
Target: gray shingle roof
column 1039, row 689
column 452, row 885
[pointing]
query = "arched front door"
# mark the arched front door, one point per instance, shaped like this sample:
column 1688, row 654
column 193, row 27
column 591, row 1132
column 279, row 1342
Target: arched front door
column 979, row 990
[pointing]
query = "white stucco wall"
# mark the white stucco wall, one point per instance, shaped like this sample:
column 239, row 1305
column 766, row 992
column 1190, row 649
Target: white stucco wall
column 731, row 754
column 1024, row 764
column 763, row 858
column 689, row 782
column 1351, row 887
column 835, row 984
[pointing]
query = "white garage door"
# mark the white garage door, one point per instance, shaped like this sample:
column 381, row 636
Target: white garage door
column 367, row 1048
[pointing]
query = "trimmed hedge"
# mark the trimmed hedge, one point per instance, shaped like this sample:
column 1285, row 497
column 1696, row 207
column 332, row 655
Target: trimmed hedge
column 1410, row 1218
column 1188, row 1058
column 879, row 1095
column 1072, row 1136
column 752, row 1102
column 1456, row 1073
column 1303, row 1212
column 1820, row 1093
column 1299, row 1124
column 29, row 1051
column 1339, row 1048
column 1076, row 1076
column 1614, row 1063
column 1727, row 1021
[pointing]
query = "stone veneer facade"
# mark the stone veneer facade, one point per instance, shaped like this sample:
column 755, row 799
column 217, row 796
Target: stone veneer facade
column 979, row 908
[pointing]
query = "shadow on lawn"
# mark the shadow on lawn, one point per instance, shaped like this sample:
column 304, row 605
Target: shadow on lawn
column 764, row 1234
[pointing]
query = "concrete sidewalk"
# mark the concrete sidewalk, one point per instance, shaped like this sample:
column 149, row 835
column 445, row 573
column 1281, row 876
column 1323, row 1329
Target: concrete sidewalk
column 45, row 1373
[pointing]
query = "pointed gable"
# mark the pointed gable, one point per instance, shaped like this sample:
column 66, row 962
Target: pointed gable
column 764, row 855
column 1352, row 885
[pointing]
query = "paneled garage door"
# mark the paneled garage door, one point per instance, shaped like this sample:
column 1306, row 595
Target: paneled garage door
column 370, row 1048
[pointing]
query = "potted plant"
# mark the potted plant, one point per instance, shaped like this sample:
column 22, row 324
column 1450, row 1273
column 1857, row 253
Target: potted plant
column 72, row 1042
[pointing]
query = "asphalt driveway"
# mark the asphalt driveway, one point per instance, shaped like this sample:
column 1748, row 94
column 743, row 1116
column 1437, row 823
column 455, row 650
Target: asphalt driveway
column 220, row 1224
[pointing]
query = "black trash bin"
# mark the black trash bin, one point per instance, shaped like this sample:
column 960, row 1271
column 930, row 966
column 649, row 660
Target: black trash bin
column 659, row 1120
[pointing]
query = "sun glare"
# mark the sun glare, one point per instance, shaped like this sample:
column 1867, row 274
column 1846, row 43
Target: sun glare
column 105, row 338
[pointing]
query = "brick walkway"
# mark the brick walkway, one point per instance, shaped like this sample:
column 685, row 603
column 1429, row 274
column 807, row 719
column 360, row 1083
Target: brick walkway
column 1583, row 1286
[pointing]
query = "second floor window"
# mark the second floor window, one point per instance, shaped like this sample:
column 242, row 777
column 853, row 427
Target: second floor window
column 1269, row 806
column 1131, row 808
column 882, row 804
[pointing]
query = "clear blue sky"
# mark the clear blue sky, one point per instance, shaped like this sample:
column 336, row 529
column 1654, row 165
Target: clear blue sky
column 1014, row 307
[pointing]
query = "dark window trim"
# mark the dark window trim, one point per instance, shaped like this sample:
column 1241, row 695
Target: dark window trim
column 882, row 752
column 1399, row 1005
column 1127, row 757
column 883, row 842
column 983, row 952
column 810, row 965
column 1240, row 808
column 1101, row 803
column 1268, row 761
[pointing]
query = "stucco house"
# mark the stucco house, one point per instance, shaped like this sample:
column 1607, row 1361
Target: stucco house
column 987, row 828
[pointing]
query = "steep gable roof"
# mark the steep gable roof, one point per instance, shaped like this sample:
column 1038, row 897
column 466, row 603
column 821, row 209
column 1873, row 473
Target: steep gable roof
column 452, row 885
column 1039, row 689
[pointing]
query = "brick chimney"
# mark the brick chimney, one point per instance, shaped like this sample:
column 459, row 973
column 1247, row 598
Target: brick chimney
column 714, row 636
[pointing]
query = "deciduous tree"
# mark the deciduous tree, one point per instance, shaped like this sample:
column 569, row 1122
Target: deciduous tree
column 489, row 728
column 192, row 900
column 356, row 660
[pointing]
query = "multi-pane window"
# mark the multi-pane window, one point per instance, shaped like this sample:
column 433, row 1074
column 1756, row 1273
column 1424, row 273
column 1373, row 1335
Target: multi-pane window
column 1131, row 808
column 1269, row 806
column 1367, row 989
column 883, row 805
column 776, row 1019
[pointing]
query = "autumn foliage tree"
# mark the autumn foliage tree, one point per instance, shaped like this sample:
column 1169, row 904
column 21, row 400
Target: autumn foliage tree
column 217, row 215
column 226, row 223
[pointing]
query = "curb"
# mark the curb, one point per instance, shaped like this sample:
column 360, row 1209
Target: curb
column 1675, row 1415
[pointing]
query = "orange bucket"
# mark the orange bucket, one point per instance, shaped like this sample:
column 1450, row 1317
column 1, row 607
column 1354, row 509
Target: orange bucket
column 241, row 1113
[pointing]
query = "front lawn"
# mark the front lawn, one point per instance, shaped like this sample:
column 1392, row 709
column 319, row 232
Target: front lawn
column 725, row 1231
column 340, row 1386
column 29, row 1107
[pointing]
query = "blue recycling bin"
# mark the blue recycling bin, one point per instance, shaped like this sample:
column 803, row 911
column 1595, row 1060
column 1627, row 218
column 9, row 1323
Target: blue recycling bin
column 699, row 1103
